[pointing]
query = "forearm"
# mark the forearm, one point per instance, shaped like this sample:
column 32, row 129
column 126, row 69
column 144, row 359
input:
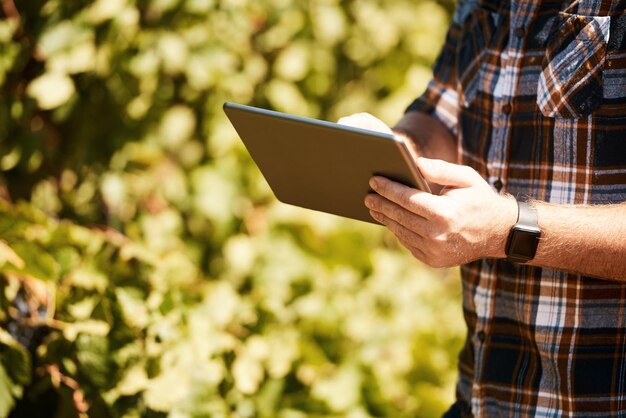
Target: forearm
column 429, row 137
column 585, row 239
column 589, row 240
column 468, row 221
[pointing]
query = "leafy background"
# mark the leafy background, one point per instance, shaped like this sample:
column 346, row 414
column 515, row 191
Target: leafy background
column 145, row 267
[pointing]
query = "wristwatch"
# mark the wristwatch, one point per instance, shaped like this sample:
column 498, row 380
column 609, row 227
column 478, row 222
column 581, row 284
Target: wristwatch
column 523, row 239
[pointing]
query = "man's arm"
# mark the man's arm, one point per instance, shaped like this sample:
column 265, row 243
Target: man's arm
column 429, row 137
column 425, row 135
column 585, row 239
column 468, row 221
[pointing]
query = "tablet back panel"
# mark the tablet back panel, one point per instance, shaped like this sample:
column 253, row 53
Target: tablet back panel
column 319, row 165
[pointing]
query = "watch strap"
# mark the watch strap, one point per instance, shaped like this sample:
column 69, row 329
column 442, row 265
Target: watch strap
column 524, row 235
column 527, row 215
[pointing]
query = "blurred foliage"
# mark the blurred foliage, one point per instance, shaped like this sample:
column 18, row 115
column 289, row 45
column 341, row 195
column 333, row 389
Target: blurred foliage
column 147, row 270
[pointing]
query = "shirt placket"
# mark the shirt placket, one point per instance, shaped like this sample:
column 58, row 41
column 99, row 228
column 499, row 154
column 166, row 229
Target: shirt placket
column 520, row 14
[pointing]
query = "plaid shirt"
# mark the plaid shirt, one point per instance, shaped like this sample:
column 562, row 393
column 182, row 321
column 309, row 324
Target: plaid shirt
column 535, row 93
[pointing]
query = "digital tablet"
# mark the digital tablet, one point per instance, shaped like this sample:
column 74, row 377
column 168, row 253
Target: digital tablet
column 321, row 165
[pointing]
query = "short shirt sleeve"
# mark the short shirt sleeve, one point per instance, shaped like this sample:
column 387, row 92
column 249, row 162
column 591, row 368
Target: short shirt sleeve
column 441, row 98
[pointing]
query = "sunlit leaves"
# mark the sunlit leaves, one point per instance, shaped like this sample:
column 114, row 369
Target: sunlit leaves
column 51, row 90
column 15, row 371
column 8, row 392
column 177, row 126
column 341, row 389
column 15, row 359
column 8, row 255
column 62, row 36
column 102, row 10
column 286, row 97
column 209, row 298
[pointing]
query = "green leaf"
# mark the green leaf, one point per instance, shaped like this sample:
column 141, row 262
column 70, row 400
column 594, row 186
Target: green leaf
column 133, row 308
column 7, row 391
column 88, row 277
column 168, row 389
column 37, row 263
column 60, row 36
column 90, row 327
column 7, row 255
column 16, row 358
column 94, row 357
column 134, row 381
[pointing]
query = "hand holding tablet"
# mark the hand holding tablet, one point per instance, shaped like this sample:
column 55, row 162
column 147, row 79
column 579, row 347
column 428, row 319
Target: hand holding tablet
column 322, row 165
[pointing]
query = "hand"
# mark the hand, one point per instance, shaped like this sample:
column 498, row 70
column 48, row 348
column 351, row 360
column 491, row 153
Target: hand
column 365, row 121
column 465, row 222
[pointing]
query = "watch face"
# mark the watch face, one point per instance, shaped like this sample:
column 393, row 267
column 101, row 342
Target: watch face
column 523, row 243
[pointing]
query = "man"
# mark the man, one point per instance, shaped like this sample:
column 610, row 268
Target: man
column 524, row 129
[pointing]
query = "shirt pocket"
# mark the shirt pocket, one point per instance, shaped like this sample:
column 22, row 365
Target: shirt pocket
column 570, row 84
column 477, row 34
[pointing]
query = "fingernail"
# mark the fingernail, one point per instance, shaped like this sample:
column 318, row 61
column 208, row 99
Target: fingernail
column 373, row 183
column 375, row 215
column 369, row 201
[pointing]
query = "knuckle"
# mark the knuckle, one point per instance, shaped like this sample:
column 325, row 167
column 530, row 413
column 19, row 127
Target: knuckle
column 434, row 235
column 442, row 171
column 410, row 200
column 445, row 215
column 437, row 217
column 440, row 238
column 384, row 188
column 401, row 233
column 405, row 219
column 470, row 171
column 470, row 174
column 373, row 203
column 445, row 171
column 413, row 200
column 405, row 236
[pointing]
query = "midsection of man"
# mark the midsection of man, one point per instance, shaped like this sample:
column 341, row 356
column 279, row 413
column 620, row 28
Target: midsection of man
column 534, row 94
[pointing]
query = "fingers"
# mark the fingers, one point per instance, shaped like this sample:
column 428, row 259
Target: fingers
column 415, row 201
column 365, row 121
column 397, row 213
column 440, row 230
column 448, row 174
column 411, row 240
column 417, row 245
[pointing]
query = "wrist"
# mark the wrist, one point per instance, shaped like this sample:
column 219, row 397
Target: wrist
column 505, row 216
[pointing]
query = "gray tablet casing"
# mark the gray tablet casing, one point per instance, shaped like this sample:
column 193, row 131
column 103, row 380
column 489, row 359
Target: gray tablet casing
column 321, row 165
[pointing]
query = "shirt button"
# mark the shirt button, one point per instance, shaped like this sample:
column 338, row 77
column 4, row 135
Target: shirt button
column 498, row 184
column 520, row 31
column 481, row 336
column 506, row 108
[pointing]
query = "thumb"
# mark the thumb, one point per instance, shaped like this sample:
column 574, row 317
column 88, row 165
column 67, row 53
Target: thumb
column 447, row 174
